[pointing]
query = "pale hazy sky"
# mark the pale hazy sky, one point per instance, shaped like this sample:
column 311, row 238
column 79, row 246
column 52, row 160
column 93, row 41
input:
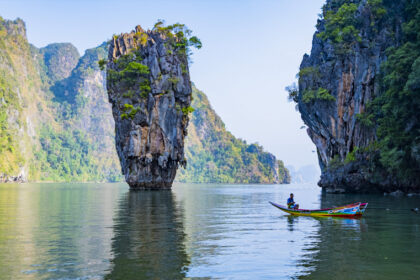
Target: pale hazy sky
column 251, row 52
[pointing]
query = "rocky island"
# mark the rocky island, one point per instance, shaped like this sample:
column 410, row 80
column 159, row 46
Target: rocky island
column 149, row 87
column 358, row 94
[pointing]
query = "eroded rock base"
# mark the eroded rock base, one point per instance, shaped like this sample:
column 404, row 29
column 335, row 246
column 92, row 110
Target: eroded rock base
column 150, row 186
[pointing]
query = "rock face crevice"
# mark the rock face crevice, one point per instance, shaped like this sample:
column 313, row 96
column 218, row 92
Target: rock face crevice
column 149, row 88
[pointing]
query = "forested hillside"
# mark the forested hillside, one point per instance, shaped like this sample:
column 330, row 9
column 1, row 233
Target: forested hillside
column 215, row 155
column 54, row 112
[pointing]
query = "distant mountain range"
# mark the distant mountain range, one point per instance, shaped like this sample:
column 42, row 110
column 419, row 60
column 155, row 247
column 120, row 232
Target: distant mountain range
column 304, row 174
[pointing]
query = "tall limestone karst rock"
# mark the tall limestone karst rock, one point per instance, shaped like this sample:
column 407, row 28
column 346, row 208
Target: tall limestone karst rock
column 347, row 97
column 149, row 88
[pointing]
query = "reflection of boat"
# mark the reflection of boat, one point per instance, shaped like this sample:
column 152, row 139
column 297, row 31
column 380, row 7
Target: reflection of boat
column 346, row 211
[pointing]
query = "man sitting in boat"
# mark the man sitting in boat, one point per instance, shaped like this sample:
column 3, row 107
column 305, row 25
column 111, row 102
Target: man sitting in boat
column 291, row 203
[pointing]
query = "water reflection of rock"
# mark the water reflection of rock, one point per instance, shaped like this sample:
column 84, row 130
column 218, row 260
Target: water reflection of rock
column 149, row 238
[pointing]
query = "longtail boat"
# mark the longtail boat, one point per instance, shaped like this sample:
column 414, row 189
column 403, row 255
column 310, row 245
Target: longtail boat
column 354, row 210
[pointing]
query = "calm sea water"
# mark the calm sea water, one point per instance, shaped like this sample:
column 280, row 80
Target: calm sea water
column 104, row 231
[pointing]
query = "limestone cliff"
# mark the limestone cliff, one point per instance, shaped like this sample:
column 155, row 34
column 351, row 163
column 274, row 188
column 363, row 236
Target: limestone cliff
column 20, row 93
column 60, row 59
column 339, row 84
column 149, row 88
column 55, row 119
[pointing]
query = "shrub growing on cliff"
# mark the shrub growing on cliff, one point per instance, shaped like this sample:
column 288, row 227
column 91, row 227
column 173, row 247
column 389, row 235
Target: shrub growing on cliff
column 173, row 80
column 293, row 92
column 365, row 119
column 133, row 112
column 135, row 69
column 309, row 71
column 340, row 27
column 133, row 73
column 102, row 63
column 145, row 88
column 195, row 42
column 319, row 94
column 308, row 95
column 351, row 157
column 377, row 10
column 141, row 38
column 187, row 110
column 180, row 36
column 324, row 94
column 129, row 111
column 127, row 107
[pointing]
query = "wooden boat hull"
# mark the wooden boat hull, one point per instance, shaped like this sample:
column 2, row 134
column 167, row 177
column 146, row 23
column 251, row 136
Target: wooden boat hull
column 354, row 210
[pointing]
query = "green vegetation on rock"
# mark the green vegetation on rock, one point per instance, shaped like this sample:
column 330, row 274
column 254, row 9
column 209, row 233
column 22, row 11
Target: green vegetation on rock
column 214, row 155
column 396, row 110
column 187, row 110
column 129, row 111
column 179, row 35
column 128, row 73
column 52, row 105
column 15, row 58
column 102, row 64
column 319, row 94
column 309, row 71
column 10, row 157
column 341, row 26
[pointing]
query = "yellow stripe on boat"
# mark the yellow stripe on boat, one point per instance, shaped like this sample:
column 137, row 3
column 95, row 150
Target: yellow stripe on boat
column 346, row 211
